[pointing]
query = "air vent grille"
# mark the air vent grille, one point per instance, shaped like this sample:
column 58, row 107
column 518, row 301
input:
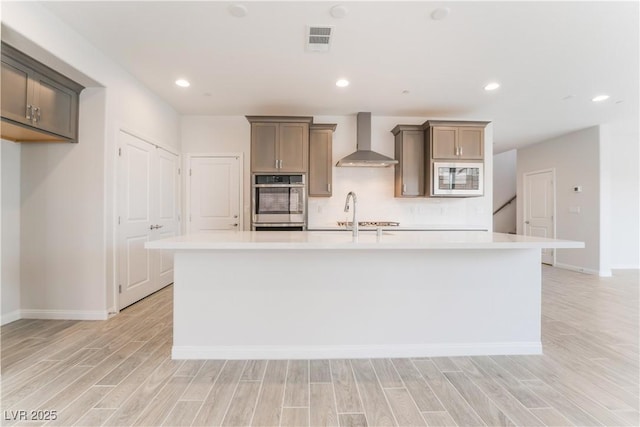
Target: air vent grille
column 318, row 38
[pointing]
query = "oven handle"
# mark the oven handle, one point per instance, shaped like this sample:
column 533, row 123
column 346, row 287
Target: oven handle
column 278, row 185
column 279, row 224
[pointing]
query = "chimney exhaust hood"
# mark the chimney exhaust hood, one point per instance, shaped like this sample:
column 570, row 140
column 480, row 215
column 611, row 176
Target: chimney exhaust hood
column 363, row 156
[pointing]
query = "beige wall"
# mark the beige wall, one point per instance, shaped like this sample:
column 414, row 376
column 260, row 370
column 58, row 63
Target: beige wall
column 10, row 231
column 575, row 159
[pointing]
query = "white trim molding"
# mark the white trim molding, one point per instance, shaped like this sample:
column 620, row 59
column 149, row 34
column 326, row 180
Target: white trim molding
column 601, row 273
column 354, row 351
column 64, row 314
column 10, row 317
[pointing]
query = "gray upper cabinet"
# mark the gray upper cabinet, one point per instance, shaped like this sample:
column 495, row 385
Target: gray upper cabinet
column 38, row 104
column 409, row 151
column 279, row 144
column 321, row 159
column 449, row 140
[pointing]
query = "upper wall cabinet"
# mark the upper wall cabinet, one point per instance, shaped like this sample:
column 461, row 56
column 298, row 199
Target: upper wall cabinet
column 454, row 140
column 279, row 144
column 320, row 159
column 409, row 173
column 38, row 104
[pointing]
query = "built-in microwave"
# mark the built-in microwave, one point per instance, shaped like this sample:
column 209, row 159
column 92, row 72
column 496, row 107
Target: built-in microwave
column 278, row 202
column 459, row 179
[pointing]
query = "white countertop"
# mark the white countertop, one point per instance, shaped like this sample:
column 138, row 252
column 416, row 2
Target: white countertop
column 410, row 227
column 369, row 240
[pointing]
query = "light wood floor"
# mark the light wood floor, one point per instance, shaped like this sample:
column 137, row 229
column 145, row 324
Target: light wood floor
column 119, row 372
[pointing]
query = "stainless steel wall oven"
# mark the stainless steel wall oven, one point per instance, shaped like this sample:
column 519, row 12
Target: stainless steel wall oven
column 278, row 202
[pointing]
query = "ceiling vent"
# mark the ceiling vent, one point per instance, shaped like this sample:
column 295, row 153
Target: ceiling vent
column 318, row 38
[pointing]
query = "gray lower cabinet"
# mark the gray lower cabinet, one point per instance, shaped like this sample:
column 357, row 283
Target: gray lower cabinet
column 38, row 104
column 279, row 144
column 409, row 151
column 321, row 159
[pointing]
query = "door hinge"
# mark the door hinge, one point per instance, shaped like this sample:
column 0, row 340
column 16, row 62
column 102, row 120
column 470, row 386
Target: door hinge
column 189, row 172
column 119, row 289
column 118, row 220
column 119, row 152
column 189, row 217
column 178, row 171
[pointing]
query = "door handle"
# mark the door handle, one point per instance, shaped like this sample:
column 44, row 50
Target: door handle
column 235, row 225
column 527, row 222
column 235, row 216
column 154, row 227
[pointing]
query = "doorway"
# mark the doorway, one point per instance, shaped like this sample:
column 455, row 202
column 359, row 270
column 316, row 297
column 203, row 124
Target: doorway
column 540, row 208
column 214, row 193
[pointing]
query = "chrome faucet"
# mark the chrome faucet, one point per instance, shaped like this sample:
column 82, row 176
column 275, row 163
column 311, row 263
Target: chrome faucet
column 354, row 222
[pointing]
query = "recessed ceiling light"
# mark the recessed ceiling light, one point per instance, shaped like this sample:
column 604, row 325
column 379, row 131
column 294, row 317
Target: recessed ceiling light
column 183, row 83
column 600, row 98
column 238, row 10
column 440, row 13
column 339, row 11
column 492, row 86
column 342, row 83
column 405, row 92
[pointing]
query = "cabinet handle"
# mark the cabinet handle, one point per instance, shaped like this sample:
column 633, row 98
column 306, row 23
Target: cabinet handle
column 280, row 163
column 461, row 151
column 329, row 188
column 404, row 188
column 276, row 164
column 29, row 114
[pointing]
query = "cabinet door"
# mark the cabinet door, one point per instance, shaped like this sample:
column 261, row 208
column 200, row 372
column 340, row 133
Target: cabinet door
column 264, row 142
column 57, row 107
column 293, row 147
column 413, row 164
column 320, row 163
column 17, row 91
column 471, row 143
column 443, row 142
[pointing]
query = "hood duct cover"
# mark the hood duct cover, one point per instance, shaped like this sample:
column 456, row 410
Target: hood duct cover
column 363, row 156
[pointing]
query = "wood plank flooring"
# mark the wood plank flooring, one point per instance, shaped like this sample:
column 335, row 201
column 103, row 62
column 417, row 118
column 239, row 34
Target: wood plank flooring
column 119, row 373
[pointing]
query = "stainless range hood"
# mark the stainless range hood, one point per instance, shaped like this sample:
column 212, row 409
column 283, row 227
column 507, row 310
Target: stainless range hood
column 363, row 156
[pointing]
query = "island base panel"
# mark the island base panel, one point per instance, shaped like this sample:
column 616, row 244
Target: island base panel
column 287, row 304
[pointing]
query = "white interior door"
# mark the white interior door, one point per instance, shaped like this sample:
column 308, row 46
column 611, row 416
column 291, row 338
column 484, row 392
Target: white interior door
column 214, row 193
column 148, row 202
column 167, row 223
column 539, row 208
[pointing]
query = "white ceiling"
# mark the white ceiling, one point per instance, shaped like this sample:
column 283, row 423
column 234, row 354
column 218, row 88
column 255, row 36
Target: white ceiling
column 540, row 52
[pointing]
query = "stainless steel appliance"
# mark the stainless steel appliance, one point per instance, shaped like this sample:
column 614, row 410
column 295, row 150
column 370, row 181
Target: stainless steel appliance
column 459, row 179
column 278, row 202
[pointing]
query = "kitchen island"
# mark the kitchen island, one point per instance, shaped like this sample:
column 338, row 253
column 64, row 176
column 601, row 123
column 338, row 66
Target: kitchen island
column 324, row 294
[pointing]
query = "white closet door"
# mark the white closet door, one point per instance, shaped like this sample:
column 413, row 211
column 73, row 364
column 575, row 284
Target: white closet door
column 214, row 193
column 148, row 201
column 166, row 222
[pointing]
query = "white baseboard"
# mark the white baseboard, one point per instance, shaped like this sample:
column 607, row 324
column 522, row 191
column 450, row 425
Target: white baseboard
column 354, row 352
column 10, row 317
column 581, row 269
column 64, row 314
column 625, row 267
